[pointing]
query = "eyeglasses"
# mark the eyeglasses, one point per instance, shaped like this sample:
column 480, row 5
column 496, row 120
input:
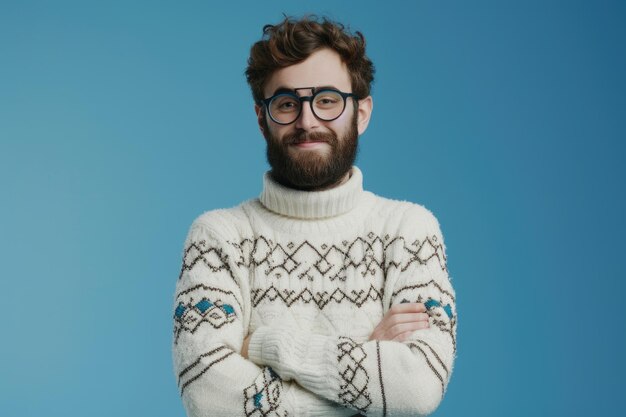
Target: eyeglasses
column 327, row 104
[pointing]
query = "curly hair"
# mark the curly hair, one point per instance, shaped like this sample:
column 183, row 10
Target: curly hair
column 292, row 41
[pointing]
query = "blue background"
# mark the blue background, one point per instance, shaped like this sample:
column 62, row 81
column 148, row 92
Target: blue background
column 120, row 122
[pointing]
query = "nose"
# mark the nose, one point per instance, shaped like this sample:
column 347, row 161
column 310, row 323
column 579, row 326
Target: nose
column 307, row 120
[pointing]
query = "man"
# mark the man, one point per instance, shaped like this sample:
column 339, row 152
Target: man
column 317, row 298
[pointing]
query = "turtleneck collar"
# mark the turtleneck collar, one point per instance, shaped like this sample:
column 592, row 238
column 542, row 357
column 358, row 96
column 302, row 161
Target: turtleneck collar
column 312, row 204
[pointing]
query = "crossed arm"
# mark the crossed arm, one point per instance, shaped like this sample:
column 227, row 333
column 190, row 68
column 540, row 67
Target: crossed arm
column 404, row 367
column 398, row 324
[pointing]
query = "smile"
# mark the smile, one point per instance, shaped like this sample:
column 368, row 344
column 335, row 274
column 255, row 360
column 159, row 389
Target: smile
column 310, row 144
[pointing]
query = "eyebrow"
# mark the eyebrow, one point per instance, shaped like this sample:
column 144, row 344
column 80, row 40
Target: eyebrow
column 283, row 89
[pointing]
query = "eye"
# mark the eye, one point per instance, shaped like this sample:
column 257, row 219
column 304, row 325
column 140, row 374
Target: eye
column 284, row 104
column 328, row 99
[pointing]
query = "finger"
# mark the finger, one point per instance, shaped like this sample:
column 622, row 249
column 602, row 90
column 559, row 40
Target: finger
column 406, row 327
column 407, row 318
column 403, row 336
column 390, row 333
column 407, row 335
column 383, row 329
column 408, row 308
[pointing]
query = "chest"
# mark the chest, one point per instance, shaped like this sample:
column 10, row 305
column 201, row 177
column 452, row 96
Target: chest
column 326, row 287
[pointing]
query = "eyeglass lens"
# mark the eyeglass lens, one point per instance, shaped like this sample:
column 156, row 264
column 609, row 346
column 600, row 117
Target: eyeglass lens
column 326, row 105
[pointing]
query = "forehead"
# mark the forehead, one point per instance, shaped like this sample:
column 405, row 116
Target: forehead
column 322, row 68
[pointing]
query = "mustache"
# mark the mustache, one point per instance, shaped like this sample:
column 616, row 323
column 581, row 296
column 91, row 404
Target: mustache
column 302, row 136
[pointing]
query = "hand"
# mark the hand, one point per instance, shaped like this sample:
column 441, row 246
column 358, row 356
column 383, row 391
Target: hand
column 401, row 321
column 244, row 348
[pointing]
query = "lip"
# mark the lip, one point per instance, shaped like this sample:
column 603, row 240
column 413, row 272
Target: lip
column 309, row 144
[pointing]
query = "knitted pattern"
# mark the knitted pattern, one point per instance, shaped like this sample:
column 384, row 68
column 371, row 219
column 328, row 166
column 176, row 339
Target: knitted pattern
column 309, row 275
column 262, row 398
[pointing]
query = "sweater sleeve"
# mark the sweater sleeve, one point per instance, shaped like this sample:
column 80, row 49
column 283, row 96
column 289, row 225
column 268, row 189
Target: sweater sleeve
column 211, row 316
column 384, row 378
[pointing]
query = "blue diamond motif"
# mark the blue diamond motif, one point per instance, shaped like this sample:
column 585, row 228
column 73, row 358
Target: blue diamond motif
column 448, row 310
column 257, row 399
column 432, row 303
column 204, row 305
column 180, row 310
column 228, row 309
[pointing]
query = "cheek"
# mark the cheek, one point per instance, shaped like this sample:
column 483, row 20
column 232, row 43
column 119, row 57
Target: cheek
column 345, row 117
column 277, row 131
column 341, row 125
column 344, row 122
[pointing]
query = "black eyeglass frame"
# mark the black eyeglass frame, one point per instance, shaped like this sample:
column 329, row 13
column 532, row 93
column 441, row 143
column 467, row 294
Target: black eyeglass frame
column 266, row 102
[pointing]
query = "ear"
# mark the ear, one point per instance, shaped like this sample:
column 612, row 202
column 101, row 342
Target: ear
column 364, row 113
column 260, row 114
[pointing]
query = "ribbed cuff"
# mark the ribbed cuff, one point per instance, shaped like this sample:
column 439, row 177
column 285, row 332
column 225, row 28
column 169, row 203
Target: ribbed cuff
column 255, row 345
column 308, row 358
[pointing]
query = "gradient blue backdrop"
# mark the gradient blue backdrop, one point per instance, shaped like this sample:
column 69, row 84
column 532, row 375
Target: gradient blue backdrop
column 122, row 121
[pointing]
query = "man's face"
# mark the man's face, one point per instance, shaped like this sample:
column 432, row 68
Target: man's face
column 311, row 153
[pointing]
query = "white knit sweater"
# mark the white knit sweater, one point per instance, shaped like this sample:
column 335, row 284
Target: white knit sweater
column 310, row 275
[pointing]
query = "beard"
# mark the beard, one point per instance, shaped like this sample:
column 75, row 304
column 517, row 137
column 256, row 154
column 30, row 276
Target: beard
column 310, row 170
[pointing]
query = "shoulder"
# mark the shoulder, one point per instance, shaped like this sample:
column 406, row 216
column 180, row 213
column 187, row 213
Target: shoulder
column 407, row 217
column 222, row 224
